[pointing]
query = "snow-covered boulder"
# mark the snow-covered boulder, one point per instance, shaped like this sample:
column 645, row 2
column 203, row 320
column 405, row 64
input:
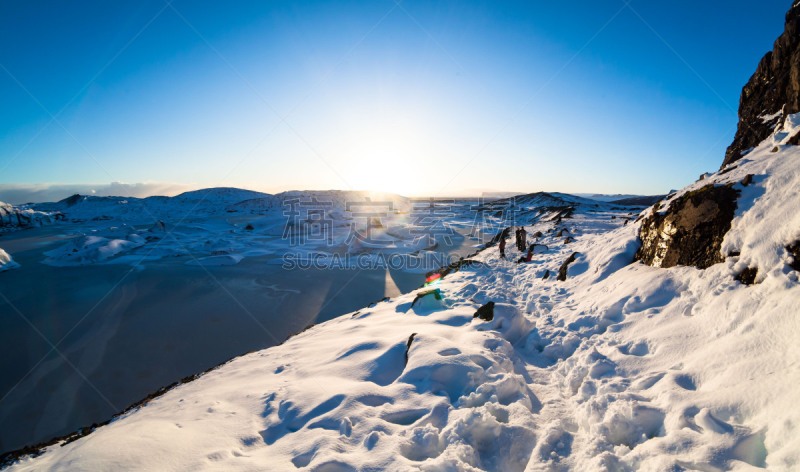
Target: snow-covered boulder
column 6, row 262
column 85, row 250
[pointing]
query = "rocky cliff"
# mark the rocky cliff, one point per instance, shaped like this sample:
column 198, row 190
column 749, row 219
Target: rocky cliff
column 772, row 93
column 689, row 229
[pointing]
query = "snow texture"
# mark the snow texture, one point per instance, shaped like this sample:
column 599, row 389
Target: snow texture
column 619, row 367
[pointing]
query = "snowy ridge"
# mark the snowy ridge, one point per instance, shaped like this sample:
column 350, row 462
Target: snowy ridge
column 189, row 206
column 619, row 367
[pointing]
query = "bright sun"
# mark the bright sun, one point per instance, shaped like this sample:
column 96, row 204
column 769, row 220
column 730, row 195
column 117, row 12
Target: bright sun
column 387, row 161
column 387, row 155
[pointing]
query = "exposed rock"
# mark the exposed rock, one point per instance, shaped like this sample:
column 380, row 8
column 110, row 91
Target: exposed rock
column 690, row 231
column 486, row 312
column 435, row 292
column 372, row 304
column 772, row 93
column 497, row 237
column 538, row 234
column 569, row 239
column 562, row 271
column 794, row 250
column 561, row 233
column 747, row 276
column 408, row 345
column 14, row 217
column 72, row 200
column 158, row 227
column 454, row 267
column 794, row 140
column 747, row 180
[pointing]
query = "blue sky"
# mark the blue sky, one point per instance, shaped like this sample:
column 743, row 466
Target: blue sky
column 416, row 97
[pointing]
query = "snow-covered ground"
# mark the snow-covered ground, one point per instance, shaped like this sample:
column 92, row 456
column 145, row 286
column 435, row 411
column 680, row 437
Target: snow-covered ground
column 225, row 226
column 621, row 366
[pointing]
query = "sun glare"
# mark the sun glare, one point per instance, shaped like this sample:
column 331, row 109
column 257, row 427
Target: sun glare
column 387, row 157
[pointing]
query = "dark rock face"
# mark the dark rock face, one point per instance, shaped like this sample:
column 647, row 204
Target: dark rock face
column 486, row 312
column 562, row 271
column 747, row 276
column 690, row 231
column 72, row 200
column 408, row 345
column 794, row 250
column 774, row 89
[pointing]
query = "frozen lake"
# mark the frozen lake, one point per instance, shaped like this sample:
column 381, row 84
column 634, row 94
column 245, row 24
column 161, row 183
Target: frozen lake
column 129, row 331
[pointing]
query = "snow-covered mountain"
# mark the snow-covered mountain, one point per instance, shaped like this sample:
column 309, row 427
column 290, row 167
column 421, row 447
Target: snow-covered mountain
column 622, row 199
column 186, row 206
column 667, row 342
column 199, row 224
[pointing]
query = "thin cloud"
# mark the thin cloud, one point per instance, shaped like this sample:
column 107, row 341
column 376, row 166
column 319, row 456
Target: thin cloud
column 36, row 193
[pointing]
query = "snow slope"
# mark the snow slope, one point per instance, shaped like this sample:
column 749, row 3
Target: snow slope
column 621, row 366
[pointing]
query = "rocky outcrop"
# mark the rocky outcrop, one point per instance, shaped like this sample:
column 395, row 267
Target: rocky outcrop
column 14, row 217
column 690, row 231
column 747, row 276
column 485, row 312
column 562, row 271
column 772, row 93
column 794, row 250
